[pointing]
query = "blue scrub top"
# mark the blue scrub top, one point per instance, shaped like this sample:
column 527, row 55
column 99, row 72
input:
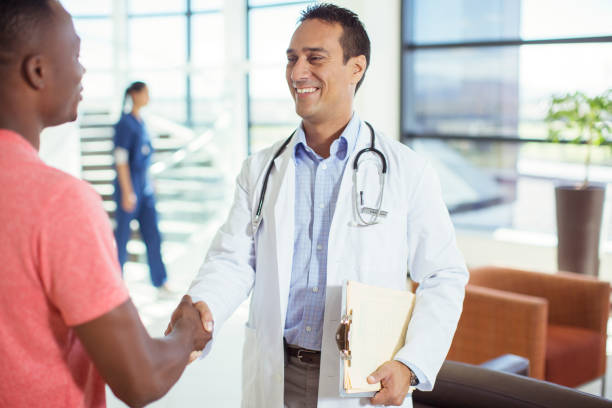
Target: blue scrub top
column 132, row 135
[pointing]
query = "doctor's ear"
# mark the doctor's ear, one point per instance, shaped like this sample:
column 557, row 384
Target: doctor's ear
column 358, row 66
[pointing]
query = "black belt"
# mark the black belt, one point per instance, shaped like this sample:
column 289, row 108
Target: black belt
column 304, row 355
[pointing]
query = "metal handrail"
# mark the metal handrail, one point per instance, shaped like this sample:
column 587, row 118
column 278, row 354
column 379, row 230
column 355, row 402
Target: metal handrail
column 182, row 153
column 193, row 145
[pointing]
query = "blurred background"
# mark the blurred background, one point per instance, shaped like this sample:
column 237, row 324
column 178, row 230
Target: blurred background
column 465, row 82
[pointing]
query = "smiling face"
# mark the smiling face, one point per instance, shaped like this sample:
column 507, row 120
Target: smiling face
column 321, row 84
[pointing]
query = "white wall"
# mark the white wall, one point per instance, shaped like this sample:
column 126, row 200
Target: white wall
column 481, row 249
column 60, row 147
column 378, row 99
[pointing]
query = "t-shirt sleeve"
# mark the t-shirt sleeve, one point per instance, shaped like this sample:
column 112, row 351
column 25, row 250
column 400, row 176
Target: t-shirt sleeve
column 124, row 135
column 78, row 257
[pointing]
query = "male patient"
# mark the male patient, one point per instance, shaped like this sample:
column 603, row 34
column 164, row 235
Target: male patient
column 66, row 320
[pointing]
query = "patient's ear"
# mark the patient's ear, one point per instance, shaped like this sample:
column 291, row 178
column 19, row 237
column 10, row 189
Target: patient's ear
column 33, row 68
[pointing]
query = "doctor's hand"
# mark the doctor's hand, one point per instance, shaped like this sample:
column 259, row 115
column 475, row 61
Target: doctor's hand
column 395, row 381
column 187, row 316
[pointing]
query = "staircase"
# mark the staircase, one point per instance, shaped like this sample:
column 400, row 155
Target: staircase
column 190, row 190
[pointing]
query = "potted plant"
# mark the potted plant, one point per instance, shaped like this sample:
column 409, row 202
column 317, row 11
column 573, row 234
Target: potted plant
column 585, row 120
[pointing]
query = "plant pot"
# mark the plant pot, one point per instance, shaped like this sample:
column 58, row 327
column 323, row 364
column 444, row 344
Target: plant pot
column 579, row 213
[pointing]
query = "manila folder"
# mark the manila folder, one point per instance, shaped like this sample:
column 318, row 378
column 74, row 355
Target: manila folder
column 380, row 318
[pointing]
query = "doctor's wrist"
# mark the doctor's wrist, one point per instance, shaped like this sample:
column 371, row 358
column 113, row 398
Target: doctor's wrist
column 414, row 380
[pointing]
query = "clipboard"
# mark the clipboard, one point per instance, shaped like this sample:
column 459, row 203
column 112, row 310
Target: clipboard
column 359, row 303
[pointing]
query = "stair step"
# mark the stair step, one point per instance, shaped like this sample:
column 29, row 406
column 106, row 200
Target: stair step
column 170, row 206
column 171, row 230
column 137, row 251
column 97, row 132
column 191, row 172
column 98, row 176
column 176, row 210
column 107, row 174
column 97, row 159
column 104, row 189
column 97, row 138
column 97, row 121
column 100, row 147
column 97, row 167
column 191, row 191
column 167, row 185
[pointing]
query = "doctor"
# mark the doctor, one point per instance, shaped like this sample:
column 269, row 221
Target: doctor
column 319, row 224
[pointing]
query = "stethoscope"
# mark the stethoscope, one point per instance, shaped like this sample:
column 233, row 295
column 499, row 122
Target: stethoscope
column 357, row 198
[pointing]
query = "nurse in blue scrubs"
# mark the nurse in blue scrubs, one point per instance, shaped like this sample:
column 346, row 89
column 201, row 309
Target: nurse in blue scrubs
column 133, row 188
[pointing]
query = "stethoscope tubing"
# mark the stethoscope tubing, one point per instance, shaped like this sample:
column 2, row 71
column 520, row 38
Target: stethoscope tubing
column 282, row 148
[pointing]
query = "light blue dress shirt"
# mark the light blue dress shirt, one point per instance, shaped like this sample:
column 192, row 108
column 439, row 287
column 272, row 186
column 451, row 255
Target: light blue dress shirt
column 317, row 181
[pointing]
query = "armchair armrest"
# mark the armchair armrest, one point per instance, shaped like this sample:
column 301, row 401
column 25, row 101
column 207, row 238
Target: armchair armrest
column 508, row 363
column 495, row 322
column 462, row 385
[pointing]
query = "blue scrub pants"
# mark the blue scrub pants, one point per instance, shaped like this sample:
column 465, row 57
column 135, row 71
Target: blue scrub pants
column 146, row 215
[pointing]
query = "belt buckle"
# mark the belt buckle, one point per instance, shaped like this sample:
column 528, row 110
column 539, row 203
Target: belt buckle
column 300, row 355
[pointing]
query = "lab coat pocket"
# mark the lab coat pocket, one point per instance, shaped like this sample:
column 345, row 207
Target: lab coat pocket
column 376, row 244
column 249, row 367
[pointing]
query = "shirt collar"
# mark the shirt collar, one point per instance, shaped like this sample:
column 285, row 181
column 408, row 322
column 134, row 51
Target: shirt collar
column 341, row 147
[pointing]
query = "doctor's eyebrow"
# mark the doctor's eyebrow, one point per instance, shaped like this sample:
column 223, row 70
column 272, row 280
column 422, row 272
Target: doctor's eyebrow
column 309, row 49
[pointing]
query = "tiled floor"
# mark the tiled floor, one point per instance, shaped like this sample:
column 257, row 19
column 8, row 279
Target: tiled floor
column 215, row 381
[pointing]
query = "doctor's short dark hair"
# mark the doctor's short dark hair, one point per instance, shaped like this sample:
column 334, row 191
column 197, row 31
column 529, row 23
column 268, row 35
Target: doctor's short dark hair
column 21, row 20
column 354, row 39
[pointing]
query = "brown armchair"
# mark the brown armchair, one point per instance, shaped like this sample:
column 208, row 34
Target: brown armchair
column 557, row 321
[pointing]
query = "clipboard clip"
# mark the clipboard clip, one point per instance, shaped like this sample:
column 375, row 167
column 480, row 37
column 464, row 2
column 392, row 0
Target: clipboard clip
column 342, row 336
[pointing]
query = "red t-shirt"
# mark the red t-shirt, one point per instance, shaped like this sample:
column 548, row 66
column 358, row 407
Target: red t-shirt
column 58, row 269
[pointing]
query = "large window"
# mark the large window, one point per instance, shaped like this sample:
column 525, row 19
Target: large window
column 176, row 47
column 477, row 77
column 271, row 110
column 95, row 28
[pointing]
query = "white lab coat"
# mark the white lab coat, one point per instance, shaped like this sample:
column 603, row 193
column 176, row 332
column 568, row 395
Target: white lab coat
column 417, row 235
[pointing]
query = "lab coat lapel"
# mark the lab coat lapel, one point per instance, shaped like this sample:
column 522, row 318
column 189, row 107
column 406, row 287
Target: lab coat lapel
column 283, row 196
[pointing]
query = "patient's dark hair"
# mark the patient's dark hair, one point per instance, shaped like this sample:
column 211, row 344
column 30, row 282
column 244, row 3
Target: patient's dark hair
column 354, row 39
column 20, row 20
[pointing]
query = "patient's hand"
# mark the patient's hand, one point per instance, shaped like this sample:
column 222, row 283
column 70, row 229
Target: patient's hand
column 194, row 356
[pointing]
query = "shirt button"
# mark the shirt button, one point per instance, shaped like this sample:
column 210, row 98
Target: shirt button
column 308, row 329
column 321, row 206
column 319, row 247
column 315, row 289
column 324, row 166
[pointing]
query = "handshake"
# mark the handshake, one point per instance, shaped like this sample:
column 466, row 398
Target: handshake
column 196, row 320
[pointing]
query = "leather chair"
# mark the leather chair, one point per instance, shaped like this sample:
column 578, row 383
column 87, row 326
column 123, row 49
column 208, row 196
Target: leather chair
column 461, row 385
column 557, row 321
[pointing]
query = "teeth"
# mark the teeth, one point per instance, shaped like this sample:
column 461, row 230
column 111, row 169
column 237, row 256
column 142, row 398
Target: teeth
column 305, row 90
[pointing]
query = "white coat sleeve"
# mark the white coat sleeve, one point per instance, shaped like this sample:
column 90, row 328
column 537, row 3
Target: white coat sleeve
column 437, row 265
column 227, row 274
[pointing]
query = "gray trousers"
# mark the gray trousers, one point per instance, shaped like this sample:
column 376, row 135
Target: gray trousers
column 301, row 383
